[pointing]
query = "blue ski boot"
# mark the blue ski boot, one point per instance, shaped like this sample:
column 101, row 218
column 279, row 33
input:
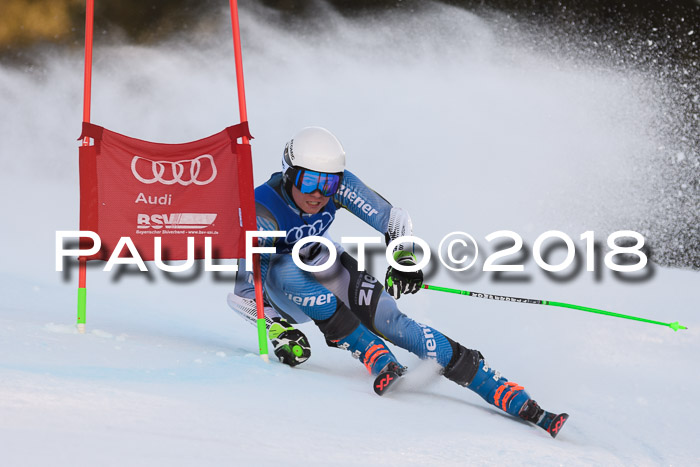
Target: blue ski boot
column 368, row 348
column 497, row 390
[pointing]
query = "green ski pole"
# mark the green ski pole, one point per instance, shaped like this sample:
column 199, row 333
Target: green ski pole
column 675, row 326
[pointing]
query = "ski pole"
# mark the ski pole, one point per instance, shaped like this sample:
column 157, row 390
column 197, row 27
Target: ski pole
column 675, row 326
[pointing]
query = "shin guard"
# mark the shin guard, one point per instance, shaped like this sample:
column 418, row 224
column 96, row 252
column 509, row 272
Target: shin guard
column 463, row 365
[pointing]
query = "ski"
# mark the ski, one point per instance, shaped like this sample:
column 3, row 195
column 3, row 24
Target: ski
column 384, row 381
column 556, row 424
column 553, row 423
column 387, row 378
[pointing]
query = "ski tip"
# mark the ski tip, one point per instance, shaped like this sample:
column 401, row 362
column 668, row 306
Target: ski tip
column 557, row 423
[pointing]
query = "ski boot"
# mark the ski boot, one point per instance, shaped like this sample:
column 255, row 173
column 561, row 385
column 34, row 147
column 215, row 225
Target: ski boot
column 367, row 347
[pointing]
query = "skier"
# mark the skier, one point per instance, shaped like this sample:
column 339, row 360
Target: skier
column 352, row 308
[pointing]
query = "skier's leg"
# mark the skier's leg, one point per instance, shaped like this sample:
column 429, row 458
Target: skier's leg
column 467, row 367
column 460, row 364
column 378, row 311
column 291, row 289
column 464, row 366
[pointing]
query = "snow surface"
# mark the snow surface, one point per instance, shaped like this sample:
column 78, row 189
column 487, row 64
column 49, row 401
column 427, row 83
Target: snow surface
column 467, row 133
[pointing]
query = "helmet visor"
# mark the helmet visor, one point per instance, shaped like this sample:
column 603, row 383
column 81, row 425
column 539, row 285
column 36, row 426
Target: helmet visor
column 308, row 181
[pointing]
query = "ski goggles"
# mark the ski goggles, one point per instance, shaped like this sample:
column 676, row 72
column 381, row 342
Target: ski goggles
column 308, row 181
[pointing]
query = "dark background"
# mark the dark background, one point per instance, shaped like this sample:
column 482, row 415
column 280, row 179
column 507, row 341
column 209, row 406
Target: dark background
column 26, row 23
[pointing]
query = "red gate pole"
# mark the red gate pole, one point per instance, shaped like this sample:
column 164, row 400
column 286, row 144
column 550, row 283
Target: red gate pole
column 262, row 329
column 87, row 91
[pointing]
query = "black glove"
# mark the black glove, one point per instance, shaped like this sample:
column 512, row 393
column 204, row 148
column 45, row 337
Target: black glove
column 291, row 345
column 398, row 282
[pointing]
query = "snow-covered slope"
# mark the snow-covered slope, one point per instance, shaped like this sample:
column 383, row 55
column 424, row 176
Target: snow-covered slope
column 465, row 132
column 166, row 376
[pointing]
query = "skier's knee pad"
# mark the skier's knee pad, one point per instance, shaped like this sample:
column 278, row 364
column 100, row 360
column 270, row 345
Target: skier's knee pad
column 464, row 364
column 340, row 325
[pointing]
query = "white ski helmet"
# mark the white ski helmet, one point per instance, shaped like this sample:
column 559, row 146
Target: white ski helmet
column 314, row 148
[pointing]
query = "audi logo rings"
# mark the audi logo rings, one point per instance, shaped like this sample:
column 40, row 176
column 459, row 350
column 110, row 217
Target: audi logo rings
column 317, row 228
column 170, row 173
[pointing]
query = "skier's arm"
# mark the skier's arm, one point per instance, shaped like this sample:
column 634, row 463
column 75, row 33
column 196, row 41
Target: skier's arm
column 392, row 221
column 397, row 282
column 374, row 209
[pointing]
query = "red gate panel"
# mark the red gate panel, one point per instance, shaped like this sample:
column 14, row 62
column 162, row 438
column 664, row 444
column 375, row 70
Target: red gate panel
column 139, row 189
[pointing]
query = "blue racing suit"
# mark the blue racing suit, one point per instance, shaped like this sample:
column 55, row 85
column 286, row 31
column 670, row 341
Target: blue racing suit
column 351, row 307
